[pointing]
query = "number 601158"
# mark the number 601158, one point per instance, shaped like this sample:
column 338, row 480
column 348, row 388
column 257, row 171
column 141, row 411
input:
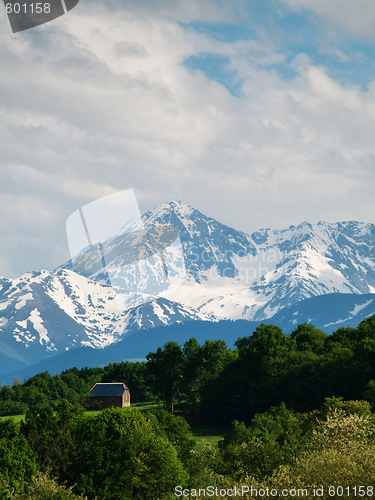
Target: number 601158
column 31, row 8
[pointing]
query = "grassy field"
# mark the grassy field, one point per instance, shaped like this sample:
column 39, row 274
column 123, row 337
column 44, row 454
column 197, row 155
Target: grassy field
column 148, row 406
column 210, row 432
column 16, row 418
column 140, row 406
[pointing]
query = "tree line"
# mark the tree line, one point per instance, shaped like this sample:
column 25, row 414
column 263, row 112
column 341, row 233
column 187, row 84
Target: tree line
column 171, row 374
column 263, row 370
column 299, row 409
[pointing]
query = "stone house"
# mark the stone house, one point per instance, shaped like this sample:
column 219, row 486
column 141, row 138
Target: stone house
column 111, row 394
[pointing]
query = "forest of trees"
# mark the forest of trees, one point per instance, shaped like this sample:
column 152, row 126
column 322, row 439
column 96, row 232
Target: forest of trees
column 299, row 409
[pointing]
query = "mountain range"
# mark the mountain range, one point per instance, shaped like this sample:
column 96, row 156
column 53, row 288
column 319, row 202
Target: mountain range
column 321, row 273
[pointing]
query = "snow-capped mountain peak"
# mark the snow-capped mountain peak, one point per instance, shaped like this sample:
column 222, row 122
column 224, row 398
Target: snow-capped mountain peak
column 229, row 275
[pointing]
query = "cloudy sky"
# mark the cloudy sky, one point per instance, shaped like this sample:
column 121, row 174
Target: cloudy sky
column 259, row 113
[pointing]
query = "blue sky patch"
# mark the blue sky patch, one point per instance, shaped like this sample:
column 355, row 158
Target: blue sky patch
column 216, row 68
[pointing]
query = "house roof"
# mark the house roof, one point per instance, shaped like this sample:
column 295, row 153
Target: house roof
column 116, row 389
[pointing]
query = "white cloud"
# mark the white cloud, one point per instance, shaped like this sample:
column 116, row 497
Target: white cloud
column 326, row 48
column 354, row 17
column 52, row 183
column 180, row 11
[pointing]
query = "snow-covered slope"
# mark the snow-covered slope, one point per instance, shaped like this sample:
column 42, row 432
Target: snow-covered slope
column 229, row 275
column 46, row 313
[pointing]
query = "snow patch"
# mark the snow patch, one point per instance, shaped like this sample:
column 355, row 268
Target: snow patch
column 359, row 307
column 37, row 322
column 352, row 313
column 23, row 300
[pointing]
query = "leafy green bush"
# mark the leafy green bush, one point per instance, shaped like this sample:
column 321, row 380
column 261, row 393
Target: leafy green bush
column 17, row 462
column 122, row 458
column 272, row 439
